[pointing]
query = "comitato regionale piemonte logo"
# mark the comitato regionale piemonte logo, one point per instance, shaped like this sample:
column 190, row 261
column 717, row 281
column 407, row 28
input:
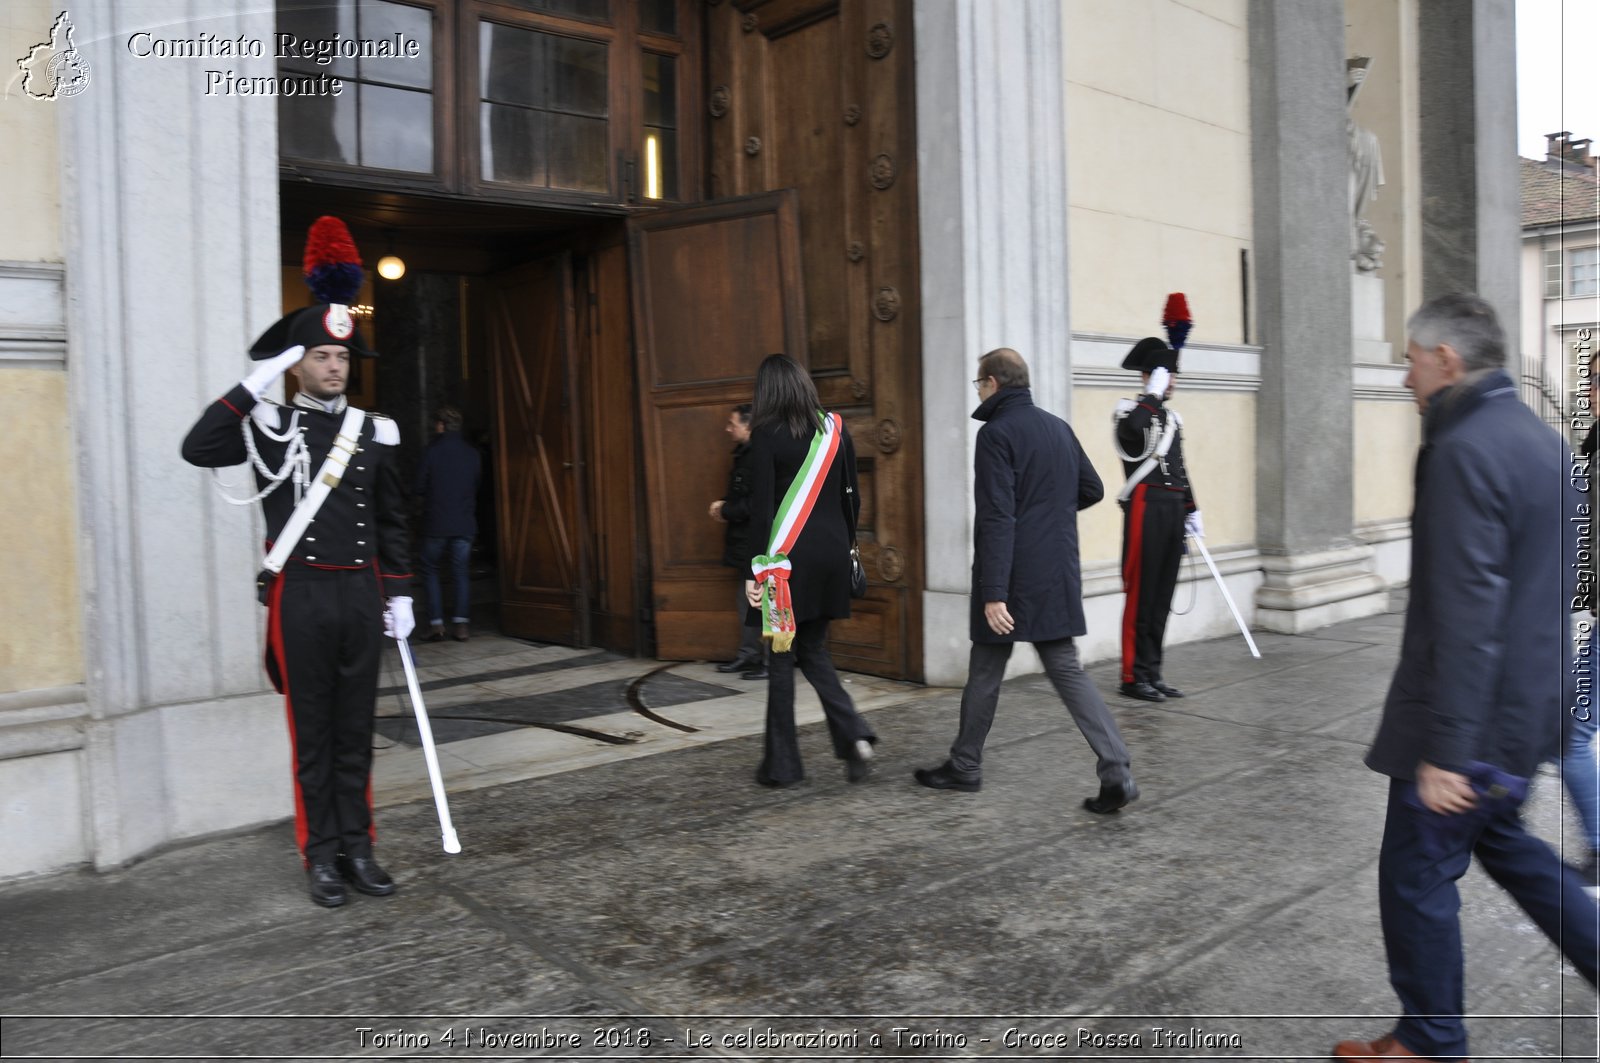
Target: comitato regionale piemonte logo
column 55, row 68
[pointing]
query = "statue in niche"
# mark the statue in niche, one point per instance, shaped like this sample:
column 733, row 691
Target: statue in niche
column 1366, row 172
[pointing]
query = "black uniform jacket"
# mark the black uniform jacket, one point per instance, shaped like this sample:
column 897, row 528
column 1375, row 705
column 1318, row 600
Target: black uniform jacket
column 736, row 511
column 1030, row 477
column 819, row 584
column 1133, row 436
column 1486, row 640
column 362, row 524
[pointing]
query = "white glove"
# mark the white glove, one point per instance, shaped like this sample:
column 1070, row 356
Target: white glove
column 1160, row 379
column 1193, row 525
column 397, row 618
column 263, row 375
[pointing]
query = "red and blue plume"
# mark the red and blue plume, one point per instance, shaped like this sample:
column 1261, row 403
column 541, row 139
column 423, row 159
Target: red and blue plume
column 1177, row 320
column 332, row 264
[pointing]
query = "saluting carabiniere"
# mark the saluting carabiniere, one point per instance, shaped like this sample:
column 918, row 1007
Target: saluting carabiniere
column 336, row 578
column 1158, row 506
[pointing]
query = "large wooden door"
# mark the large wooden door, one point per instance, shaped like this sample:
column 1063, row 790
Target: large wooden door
column 820, row 96
column 544, row 568
column 716, row 289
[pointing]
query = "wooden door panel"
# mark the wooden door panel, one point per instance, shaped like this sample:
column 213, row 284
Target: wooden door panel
column 543, row 567
column 819, row 96
column 716, row 290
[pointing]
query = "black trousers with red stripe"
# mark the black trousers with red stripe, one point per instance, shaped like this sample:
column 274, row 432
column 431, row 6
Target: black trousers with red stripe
column 325, row 629
column 1152, row 548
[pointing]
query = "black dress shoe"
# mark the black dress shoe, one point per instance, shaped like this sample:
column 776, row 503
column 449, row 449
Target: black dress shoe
column 758, row 672
column 1166, row 691
column 944, row 777
column 1142, row 691
column 365, row 875
column 738, row 664
column 327, row 888
column 1111, row 798
column 859, row 764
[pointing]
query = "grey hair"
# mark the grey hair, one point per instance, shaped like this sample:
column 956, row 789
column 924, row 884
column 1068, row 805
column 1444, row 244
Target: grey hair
column 1466, row 323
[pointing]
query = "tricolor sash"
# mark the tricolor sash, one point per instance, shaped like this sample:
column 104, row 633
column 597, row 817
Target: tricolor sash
column 772, row 569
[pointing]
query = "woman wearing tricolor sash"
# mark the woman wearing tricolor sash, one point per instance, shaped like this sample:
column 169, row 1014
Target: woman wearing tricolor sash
column 803, row 478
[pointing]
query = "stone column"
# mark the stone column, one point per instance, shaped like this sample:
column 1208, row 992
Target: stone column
column 170, row 207
column 991, row 158
column 1315, row 571
column 1471, row 187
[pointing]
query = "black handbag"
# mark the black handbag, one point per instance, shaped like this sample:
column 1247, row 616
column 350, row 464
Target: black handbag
column 858, row 572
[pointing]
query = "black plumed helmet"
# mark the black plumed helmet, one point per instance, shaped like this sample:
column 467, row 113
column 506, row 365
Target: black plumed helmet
column 333, row 273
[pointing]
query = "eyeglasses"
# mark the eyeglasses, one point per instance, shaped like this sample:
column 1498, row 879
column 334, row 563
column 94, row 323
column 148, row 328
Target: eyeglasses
column 978, row 383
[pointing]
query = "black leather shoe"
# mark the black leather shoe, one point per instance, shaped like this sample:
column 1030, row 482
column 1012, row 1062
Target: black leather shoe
column 944, row 777
column 738, row 664
column 859, row 765
column 327, row 888
column 365, row 875
column 758, row 672
column 1166, row 691
column 1111, row 798
column 1142, row 691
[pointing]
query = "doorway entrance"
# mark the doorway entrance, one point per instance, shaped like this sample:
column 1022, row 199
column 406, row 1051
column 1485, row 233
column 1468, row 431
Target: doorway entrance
column 596, row 360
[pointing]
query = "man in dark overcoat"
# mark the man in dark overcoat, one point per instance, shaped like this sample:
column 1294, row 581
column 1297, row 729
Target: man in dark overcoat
column 1031, row 477
column 1476, row 702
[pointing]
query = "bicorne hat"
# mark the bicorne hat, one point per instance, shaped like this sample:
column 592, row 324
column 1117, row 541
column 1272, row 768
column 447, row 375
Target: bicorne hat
column 1150, row 354
column 333, row 273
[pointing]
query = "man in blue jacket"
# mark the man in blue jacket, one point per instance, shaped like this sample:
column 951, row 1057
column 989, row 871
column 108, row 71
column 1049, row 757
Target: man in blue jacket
column 1031, row 477
column 447, row 483
column 1477, row 699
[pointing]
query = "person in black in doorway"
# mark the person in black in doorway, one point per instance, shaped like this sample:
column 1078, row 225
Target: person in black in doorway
column 733, row 509
column 336, row 579
column 1158, row 510
column 447, row 483
column 803, row 571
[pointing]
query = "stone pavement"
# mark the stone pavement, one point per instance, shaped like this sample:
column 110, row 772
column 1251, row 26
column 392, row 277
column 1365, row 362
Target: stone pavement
column 657, row 895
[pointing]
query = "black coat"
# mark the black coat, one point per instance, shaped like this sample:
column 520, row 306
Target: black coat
column 1486, row 637
column 447, row 483
column 736, row 511
column 1031, row 478
column 819, row 584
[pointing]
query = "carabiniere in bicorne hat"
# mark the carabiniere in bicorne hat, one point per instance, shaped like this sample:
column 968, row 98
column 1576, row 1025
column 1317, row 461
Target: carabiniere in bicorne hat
column 333, row 273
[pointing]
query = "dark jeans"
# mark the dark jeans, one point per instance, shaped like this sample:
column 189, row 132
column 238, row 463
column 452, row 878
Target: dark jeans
column 433, row 551
column 781, row 764
column 1417, row 899
column 987, row 667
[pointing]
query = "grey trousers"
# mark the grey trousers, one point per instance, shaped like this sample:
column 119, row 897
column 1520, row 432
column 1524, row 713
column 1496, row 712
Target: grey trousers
column 987, row 668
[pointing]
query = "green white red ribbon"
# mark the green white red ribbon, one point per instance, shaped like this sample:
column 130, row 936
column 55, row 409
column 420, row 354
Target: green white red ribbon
column 772, row 569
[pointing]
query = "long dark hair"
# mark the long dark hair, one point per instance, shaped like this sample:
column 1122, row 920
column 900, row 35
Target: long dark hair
column 785, row 396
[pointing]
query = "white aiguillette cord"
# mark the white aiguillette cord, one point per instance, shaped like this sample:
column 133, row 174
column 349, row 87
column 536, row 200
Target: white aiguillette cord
column 328, row 477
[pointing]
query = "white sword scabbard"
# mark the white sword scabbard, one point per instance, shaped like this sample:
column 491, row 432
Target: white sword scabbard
column 440, row 803
column 1223, row 587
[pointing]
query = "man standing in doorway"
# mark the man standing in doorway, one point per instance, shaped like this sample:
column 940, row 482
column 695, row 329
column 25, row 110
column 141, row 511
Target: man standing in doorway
column 1031, row 477
column 447, row 483
column 1158, row 510
column 336, row 579
column 733, row 509
column 1477, row 699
